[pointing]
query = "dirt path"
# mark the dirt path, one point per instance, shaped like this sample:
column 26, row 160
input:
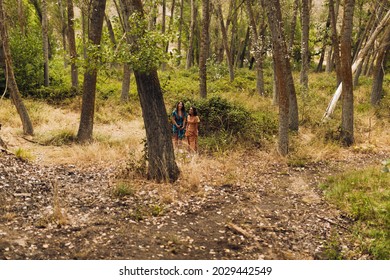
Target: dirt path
column 257, row 208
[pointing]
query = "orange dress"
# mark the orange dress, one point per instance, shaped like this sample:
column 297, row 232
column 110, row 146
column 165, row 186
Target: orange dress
column 192, row 132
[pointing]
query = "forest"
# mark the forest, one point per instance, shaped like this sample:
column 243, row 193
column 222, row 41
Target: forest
column 293, row 147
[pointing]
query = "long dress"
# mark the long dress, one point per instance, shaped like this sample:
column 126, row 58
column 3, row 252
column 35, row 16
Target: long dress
column 192, row 132
column 180, row 122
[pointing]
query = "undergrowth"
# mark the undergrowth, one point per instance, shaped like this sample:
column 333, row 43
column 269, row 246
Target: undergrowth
column 365, row 196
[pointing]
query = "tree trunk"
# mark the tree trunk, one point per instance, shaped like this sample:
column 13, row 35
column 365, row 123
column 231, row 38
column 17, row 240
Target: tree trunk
column 362, row 54
column 89, row 88
column 161, row 158
column 324, row 44
column 180, row 32
column 204, row 45
column 244, row 48
column 72, row 46
column 126, row 83
column 293, row 26
column 379, row 71
column 21, row 17
column 305, row 45
column 10, row 76
column 347, row 130
column 190, row 51
column 258, row 50
column 63, row 31
column 279, row 47
column 335, row 40
column 45, row 41
column 225, row 42
column 110, row 30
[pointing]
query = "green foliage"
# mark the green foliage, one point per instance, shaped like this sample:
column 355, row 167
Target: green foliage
column 146, row 51
column 27, row 56
column 365, row 196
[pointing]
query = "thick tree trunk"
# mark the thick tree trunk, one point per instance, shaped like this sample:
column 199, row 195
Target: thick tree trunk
column 279, row 54
column 74, row 72
column 45, row 41
column 305, row 45
column 5, row 54
column 347, row 130
column 379, row 71
column 89, row 88
column 204, row 47
column 161, row 158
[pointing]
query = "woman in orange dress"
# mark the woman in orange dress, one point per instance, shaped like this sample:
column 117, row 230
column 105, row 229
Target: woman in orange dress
column 192, row 129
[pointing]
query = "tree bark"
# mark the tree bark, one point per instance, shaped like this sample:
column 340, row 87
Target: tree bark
column 89, row 88
column 305, row 46
column 126, row 83
column 10, row 76
column 379, row 71
column 279, row 47
column 347, row 128
column 204, row 46
column 74, row 72
column 161, row 158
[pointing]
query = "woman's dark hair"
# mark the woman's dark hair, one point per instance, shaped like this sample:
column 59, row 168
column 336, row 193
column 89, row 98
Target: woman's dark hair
column 194, row 111
column 177, row 106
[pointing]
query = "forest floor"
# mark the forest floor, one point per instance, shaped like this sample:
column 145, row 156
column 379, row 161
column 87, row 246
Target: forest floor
column 245, row 205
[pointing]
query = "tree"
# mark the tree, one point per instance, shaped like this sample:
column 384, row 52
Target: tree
column 190, row 50
column 305, row 44
column 258, row 48
column 45, row 41
column 335, row 39
column 5, row 55
column 347, row 133
column 279, row 48
column 359, row 59
column 161, row 159
column 225, row 41
column 204, row 47
column 72, row 45
column 379, row 71
column 89, row 88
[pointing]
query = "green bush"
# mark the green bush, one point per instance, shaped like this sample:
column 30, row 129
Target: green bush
column 27, row 56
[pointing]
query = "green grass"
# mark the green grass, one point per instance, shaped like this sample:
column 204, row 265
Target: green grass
column 365, row 196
